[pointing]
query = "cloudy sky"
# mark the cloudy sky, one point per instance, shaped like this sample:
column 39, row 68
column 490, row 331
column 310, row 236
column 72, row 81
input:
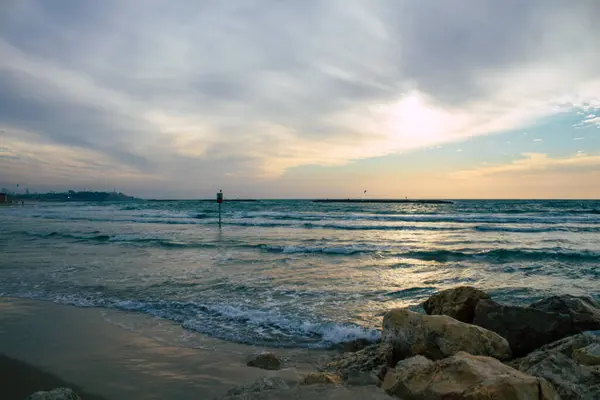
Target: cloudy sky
column 290, row 98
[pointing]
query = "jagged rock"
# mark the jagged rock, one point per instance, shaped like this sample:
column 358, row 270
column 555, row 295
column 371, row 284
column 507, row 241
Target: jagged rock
column 371, row 358
column 458, row 303
column 355, row 345
column 557, row 363
column 525, row 328
column 316, row 378
column 584, row 312
column 55, row 394
column 265, row 361
column 438, row 336
column 261, row 385
column 464, row 376
column 588, row 355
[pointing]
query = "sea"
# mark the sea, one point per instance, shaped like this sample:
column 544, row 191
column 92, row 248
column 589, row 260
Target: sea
column 294, row 273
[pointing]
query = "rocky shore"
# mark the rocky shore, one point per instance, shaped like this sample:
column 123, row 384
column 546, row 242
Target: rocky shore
column 466, row 346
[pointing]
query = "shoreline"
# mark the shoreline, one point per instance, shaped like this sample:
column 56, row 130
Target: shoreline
column 115, row 355
column 465, row 344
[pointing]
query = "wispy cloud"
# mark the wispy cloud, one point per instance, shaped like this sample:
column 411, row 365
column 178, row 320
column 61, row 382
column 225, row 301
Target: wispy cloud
column 212, row 91
column 534, row 163
column 595, row 120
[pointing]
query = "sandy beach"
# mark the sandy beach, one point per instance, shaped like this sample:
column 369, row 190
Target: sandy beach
column 103, row 355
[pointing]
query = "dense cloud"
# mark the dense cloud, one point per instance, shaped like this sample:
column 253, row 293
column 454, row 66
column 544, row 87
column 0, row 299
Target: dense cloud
column 205, row 91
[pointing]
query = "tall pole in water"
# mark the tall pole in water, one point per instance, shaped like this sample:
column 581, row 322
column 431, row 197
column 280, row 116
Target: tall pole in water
column 220, row 200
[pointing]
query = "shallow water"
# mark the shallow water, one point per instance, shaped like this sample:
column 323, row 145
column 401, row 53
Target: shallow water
column 294, row 273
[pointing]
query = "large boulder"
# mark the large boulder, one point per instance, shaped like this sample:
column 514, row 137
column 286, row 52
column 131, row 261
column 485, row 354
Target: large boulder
column 525, row 328
column 464, row 376
column 458, row 303
column 265, row 361
column 438, row 336
column 584, row 312
column 558, row 363
column 55, row 394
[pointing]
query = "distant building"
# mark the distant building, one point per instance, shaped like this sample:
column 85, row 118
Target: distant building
column 3, row 198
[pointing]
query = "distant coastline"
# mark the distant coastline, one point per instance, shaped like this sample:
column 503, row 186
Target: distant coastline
column 71, row 196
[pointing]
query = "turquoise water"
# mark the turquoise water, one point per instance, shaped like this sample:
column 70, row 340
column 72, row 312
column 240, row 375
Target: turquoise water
column 294, row 273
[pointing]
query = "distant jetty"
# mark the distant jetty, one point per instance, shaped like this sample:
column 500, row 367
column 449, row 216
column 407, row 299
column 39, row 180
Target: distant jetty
column 230, row 200
column 382, row 201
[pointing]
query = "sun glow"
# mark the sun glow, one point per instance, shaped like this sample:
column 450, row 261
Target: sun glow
column 414, row 121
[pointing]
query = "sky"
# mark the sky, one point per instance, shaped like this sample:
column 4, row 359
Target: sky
column 298, row 99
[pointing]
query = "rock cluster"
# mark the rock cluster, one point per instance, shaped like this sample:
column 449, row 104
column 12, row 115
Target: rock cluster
column 568, row 364
column 471, row 347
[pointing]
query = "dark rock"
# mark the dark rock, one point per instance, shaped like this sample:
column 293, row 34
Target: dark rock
column 438, row 336
column 566, row 346
column 458, row 303
column 265, row 361
column 558, row 363
column 583, row 311
column 55, row 394
column 464, row 376
column 525, row 328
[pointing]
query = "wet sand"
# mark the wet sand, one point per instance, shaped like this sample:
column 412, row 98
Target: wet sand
column 115, row 355
column 19, row 380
